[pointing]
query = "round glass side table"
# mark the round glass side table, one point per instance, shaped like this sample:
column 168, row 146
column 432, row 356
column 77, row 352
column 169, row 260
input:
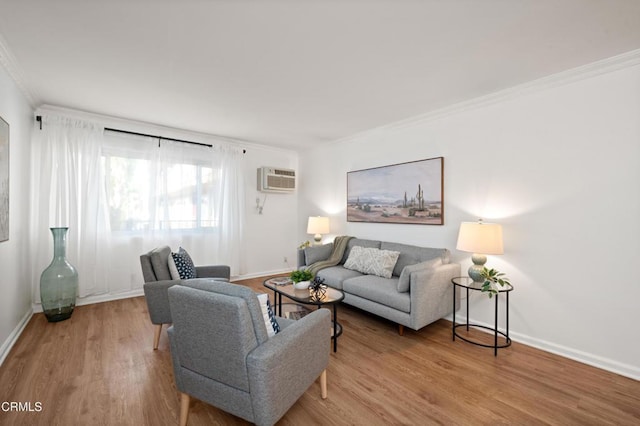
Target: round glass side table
column 467, row 284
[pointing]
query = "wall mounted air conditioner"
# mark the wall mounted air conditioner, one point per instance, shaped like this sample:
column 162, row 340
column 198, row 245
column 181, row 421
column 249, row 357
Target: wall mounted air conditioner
column 273, row 179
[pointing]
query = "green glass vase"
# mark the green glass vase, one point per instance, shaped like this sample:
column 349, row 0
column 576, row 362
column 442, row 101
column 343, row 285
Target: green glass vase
column 59, row 282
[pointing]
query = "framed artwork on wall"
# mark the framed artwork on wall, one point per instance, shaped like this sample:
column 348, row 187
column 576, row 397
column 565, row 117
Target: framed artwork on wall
column 4, row 180
column 409, row 193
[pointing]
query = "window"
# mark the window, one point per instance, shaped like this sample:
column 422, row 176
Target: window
column 164, row 190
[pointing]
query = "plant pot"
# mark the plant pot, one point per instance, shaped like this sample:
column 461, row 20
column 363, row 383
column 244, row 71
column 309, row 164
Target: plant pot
column 302, row 285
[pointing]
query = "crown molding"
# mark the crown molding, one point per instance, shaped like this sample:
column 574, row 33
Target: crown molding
column 10, row 64
column 584, row 72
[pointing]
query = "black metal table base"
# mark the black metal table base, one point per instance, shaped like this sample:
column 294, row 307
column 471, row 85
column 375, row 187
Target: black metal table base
column 494, row 330
column 337, row 327
column 495, row 346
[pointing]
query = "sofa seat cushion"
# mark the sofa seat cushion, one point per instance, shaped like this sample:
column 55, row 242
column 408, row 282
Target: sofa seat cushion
column 379, row 290
column 334, row 276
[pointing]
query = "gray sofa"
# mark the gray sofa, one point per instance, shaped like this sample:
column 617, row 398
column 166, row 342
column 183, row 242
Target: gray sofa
column 418, row 293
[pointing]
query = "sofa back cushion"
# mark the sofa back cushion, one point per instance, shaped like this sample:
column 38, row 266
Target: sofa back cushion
column 315, row 254
column 359, row 242
column 404, row 282
column 214, row 334
column 410, row 255
column 160, row 262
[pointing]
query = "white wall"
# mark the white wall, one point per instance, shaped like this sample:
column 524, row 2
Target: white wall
column 558, row 167
column 271, row 236
column 15, row 290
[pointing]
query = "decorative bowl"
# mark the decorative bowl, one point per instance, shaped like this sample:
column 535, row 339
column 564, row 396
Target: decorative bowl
column 302, row 285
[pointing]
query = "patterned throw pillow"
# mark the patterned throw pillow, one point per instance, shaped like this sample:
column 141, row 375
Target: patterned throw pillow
column 270, row 322
column 184, row 264
column 372, row 261
column 173, row 270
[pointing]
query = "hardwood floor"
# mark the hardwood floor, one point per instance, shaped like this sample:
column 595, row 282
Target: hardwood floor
column 98, row 368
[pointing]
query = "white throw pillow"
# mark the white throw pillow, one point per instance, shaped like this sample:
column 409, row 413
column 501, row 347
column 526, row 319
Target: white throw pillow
column 372, row 261
column 267, row 314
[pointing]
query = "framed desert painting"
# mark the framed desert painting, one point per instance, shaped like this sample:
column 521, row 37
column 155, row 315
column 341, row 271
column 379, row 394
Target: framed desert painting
column 4, row 180
column 400, row 193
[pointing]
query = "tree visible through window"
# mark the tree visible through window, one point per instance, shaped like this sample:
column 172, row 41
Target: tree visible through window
column 144, row 196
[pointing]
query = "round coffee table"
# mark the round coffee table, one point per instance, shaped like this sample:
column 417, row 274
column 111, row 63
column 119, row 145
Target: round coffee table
column 331, row 296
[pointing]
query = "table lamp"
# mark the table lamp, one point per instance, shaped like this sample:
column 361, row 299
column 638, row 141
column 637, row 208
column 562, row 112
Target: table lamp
column 318, row 225
column 480, row 239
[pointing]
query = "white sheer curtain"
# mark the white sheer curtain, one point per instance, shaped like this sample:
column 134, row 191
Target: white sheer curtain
column 66, row 191
column 123, row 195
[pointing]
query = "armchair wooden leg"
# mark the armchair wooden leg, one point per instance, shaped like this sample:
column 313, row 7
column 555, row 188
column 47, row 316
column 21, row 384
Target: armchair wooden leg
column 184, row 408
column 323, row 384
column 156, row 336
column 401, row 329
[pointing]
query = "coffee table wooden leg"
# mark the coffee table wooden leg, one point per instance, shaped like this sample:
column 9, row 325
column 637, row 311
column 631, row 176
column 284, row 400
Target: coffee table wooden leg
column 323, row 384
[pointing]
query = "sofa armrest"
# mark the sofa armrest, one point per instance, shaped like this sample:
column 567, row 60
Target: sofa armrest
column 282, row 369
column 432, row 294
column 301, row 259
column 213, row 271
column 155, row 293
column 175, row 359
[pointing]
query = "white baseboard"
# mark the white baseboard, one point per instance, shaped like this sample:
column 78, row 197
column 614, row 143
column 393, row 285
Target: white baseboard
column 80, row 301
column 37, row 307
column 622, row 369
column 607, row 364
column 13, row 337
column 260, row 274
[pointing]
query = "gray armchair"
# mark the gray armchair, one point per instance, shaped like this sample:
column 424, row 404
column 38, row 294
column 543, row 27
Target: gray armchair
column 223, row 356
column 157, row 278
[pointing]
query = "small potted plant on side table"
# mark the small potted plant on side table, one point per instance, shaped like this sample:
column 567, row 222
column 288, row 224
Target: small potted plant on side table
column 493, row 278
column 301, row 279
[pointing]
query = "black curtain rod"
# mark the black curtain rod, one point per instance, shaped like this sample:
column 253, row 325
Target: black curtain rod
column 244, row 151
column 160, row 138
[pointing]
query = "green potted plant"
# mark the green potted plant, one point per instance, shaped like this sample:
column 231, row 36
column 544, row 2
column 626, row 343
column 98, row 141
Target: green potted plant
column 493, row 278
column 301, row 278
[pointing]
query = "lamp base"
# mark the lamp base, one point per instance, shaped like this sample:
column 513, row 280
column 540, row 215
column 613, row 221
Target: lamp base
column 317, row 240
column 475, row 270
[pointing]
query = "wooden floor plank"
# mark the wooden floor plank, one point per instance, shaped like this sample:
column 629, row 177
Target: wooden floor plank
column 99, row 368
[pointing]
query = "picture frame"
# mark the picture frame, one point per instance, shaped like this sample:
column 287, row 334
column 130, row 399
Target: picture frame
column 4, row 180
column 405, row 193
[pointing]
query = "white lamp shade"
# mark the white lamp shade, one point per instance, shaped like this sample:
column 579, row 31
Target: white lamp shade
column 318, row 225
column 480, row 237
